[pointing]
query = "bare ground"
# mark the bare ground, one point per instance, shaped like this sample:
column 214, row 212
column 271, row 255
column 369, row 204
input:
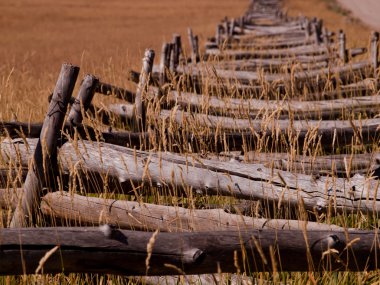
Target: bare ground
column 366, row 10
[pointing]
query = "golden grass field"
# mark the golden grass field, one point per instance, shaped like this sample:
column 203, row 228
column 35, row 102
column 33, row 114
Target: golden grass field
column 108, row 37
column 102, row 37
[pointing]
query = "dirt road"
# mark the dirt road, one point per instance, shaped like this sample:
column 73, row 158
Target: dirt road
column 366, row 10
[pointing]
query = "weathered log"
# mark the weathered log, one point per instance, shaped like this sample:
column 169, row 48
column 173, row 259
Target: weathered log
column 44, row 159
column 247, row 181
column 254, row 108
column 141, row 90
column 151, row 217
column 328, row 131
column 118, row 92
column 343, row 74
column 311, row 50
column 108, row 250
column 341, row 165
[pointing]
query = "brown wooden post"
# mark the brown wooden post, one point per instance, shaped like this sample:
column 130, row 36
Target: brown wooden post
column 141, row 89
column 342, row 47
column 45, row 156
column 83, row 100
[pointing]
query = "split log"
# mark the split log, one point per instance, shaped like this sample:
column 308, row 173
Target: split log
column 341, row 133
column 341, row 165
column 151, row 217
column 274, row 53
column 344, row 74
column 113, row 251
column 33, row 130
column 118, row 92
column 255, row 108
column 44, row 166
column 246, row 181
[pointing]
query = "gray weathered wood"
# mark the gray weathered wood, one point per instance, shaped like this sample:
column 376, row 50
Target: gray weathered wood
column 164, row 62
column 43, row 164
column 83, row 100
column 118, row 92
column 145, row 75
column 247, row 181
column 144, row 216
column 375, row 50
column 342, row 47
column 114, row 251
column 193, row 41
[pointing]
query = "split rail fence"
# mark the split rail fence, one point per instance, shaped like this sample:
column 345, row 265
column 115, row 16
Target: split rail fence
column 198, row 126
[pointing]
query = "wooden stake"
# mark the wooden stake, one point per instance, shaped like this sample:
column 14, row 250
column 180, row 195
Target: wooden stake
column 142, row 88
column 83, row 100
column 375, row 50
column 177, row 51
column 164, row 62
column 44, row 167
column 342, row 47
column 193, row 40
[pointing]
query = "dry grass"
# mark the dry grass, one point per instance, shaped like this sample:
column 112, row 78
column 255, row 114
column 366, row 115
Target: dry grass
column 102, row 37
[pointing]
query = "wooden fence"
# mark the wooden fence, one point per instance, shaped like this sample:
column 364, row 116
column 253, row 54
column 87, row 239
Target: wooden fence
column 198, row 126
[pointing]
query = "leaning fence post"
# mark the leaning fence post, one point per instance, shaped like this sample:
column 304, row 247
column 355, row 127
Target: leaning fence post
column 342, row 46
column 84, row 98
column 44, row 166
column 142, row 88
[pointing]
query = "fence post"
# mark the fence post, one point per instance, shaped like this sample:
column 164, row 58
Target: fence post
column 164, row 63
column 375, row 50
column 176, row 52
column 43, row 169
column 84, row 98
column 232, row 27
column 218, row 36
column 342, row 46
column 193, row 40
column 147, row 65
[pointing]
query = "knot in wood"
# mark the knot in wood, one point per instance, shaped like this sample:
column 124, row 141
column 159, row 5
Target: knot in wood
column 193, row 256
